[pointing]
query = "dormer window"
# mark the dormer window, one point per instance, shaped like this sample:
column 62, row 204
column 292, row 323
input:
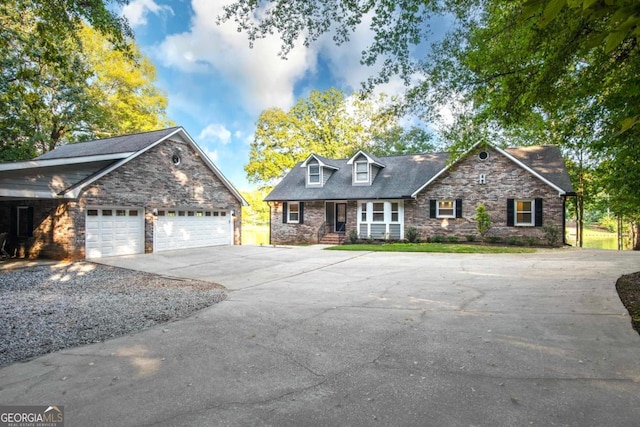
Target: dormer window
column 314, row 174
column 362, row 171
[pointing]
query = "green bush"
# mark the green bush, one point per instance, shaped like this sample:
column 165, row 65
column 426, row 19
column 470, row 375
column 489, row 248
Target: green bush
column 453, row 239
column 552, row 234
column 353, row 236
column 609, row 223
column 483, row 220
column 494, row 239
column 437, row 239
column 411, row 234
column 470, row 237
column 514, row 241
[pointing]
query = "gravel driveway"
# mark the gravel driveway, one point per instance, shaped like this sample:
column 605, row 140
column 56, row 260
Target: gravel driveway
column 51, row 307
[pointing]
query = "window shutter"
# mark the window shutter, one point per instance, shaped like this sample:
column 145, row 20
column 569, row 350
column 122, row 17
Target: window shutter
column 301, row 213
column 284, row 212
column 458, row 208
column 510, row 213
column 30, row 221
column 13, row 222
column 538, row 209
column 432, row 208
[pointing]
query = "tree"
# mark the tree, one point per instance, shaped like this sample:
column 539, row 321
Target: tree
column 328, row 124
column 70, row 82
column 513, row 68
column 483, row 220
column 122, row 85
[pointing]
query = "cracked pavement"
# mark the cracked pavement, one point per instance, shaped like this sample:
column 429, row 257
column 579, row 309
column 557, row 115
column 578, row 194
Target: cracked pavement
column 312, row 337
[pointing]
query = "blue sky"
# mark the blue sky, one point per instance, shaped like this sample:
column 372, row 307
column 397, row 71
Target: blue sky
column 217, row 86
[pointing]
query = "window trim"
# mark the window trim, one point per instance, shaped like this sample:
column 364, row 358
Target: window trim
column 318, row 174
column 453, row 209
column 289, row 206
column 531, row 212
column 374, row 212
column 356, row 172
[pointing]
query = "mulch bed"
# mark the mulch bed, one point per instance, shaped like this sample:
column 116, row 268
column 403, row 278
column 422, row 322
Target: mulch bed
column 628, row 287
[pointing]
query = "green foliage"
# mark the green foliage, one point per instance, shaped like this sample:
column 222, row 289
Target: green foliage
column 63, row 82
column 433, row 247
column 328, row 124
column 353, row 236
column 470, row 237
column 551, row 234
column 411, row 234
column 257, row 213
column 483, row 220
column 609, row 223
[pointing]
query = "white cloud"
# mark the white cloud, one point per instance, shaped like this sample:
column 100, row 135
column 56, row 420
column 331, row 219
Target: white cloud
column 263, row 79
column 215, row 132
column 136, row 11
column 212, row 155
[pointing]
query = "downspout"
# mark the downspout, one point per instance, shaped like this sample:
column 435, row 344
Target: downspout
column 270, row 224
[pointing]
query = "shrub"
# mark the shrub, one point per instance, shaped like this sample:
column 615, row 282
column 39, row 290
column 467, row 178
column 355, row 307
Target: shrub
column 609, row 223
column 514, row 241
column 530, row 241
column 453, row 239
column 552, row 234
column 470, row 237
column 411, row 234
column 483, row 220
column 353, row 236
column 437, row 239
column 494, row 239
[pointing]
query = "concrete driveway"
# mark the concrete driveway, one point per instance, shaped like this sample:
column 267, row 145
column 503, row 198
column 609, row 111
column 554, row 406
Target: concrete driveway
column 312, row 337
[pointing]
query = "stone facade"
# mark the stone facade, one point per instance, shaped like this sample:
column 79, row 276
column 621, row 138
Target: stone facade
column 148, row 181
column 313, row 221
column 503, row 180
column 472, row 180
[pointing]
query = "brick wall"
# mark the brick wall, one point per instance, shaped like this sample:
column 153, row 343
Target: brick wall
column 148, row 181
column 504, row 180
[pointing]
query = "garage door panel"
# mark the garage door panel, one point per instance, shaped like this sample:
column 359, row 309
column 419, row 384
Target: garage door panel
column 112, row 232
column 192, row 231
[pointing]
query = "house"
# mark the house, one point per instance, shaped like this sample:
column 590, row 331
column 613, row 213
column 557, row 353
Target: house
column 131, row 194
column 321, row 200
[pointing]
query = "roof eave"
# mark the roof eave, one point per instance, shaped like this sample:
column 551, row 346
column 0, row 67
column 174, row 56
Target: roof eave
column 34, row 164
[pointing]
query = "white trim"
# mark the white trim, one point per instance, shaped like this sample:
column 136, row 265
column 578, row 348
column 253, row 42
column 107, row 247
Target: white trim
column 388, row 213
column 532, row 223
column 320, row 175
column 320, row 162
column 33, row 164
column 289, row 220
column 534, row 173
column 561, row 192
column 453, row 208
column 370, row 160
column 30, row 194
column 355, row 172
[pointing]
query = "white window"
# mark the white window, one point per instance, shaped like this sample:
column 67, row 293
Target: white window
column 362, row 172
column 446, row 209
column 378, row 212
column 314, row 173
column 293, row 214
column 363, row 212
column 395, row 213
column 524, row 212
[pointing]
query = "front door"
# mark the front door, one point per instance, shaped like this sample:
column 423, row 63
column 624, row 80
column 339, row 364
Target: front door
column 341, row 217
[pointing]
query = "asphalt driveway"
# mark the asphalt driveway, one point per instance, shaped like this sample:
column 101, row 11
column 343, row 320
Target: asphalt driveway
column 312, row 337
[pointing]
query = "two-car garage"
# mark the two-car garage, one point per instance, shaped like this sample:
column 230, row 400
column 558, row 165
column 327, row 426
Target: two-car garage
column 113, row 231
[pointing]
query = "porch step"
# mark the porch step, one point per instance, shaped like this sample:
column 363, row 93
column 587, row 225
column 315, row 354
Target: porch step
column 333, row 239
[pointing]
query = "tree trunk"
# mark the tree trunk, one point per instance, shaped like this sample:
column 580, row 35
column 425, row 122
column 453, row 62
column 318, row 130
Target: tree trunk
column 635, row 235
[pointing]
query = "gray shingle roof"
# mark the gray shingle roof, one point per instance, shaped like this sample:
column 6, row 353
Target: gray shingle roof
column 403, row 175
column 117, row 144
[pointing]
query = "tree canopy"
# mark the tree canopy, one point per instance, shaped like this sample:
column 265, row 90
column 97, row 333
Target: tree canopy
column 328, row 124
column 70, row 71
column 513, row 71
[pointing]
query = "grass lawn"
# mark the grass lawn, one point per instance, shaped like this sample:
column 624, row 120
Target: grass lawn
column 434, row 247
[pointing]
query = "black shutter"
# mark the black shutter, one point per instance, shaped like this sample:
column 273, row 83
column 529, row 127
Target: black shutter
column 30, row 221
column 301, row 213
column 284, row 212
column 432, row 208
column 510, row 213
column 458, row 208
column 13, row 221
column 538, row 212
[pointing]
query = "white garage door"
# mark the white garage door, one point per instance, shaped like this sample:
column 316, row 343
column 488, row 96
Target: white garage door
column 183, row 229
column 114, row 231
